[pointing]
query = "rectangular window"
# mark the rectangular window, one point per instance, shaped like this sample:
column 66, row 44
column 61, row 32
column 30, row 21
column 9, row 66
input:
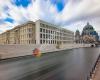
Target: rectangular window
column 29, row 41
column 46, row 35
column 40, row 41
column 30, row 35
column 42, row 25
column 43, row 41
column 51, row 32
column 44, row 30
column 35, row 41
column 40, row 29
column 55, row 41
column 53, row 37
column 43, row 35
column 40, row 35
column 51, row 41
column 49, row 36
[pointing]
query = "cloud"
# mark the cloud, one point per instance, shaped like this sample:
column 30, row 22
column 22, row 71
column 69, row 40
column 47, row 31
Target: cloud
column 6, row 26
column 77, row 13
column 72, row 14
column 79, row 10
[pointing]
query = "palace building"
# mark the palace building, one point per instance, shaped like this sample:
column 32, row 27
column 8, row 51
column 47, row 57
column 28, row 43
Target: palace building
column 39, row 32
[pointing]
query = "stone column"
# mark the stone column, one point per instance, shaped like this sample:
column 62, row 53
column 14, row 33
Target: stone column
column 37, row 32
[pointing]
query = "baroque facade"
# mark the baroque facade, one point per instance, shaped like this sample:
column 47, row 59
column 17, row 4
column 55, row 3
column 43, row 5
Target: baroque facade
column 87, row 31
column 39, row 32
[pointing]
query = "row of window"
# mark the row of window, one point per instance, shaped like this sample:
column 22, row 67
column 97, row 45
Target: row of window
column 48, row 41
column 26, row 41
column 48, row 36
column 53, row 41
column 54, row 32
column 21, row 36
column 26, row 30
column 27, row 36
column 47, row 26
column 46, row 31
column 52, row 27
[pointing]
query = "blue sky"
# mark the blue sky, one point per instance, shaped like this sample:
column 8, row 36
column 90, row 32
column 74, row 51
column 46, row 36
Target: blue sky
column 71, row 14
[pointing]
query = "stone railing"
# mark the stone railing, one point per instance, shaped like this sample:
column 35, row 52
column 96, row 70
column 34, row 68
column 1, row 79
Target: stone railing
column 94, row 68
column 9, row 51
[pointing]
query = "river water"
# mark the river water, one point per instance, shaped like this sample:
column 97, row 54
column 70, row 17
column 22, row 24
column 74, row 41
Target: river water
column 74, row 64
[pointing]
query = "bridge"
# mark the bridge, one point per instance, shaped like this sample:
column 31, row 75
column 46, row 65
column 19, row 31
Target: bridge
column 95, row 44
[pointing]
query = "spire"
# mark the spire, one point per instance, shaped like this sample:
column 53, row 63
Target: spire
column 88, row 23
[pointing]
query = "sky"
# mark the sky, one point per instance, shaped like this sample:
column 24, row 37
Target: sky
column 70, row 14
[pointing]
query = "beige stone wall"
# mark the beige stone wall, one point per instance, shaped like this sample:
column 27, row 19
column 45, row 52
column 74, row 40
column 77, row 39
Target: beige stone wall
column 3, row 38
column 39, row 32
column 22, row 34
column 27, row 34
column 12, row 37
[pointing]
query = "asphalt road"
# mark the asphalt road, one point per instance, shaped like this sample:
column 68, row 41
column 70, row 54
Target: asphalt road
column 74, row 64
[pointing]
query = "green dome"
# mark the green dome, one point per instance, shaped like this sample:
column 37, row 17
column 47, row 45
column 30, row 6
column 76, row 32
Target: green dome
column 88, row 30
column 88, row 27
column 77, row 32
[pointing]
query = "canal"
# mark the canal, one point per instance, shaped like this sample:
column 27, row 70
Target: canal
column 74, row 64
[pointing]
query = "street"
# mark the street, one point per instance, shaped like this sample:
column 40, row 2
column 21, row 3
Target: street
column 73, row 64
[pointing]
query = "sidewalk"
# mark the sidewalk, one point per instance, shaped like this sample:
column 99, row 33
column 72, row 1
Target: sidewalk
column 97, row 74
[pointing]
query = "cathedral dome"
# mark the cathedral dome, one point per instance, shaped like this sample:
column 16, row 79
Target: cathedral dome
column 88, row 27
column 88, row 30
